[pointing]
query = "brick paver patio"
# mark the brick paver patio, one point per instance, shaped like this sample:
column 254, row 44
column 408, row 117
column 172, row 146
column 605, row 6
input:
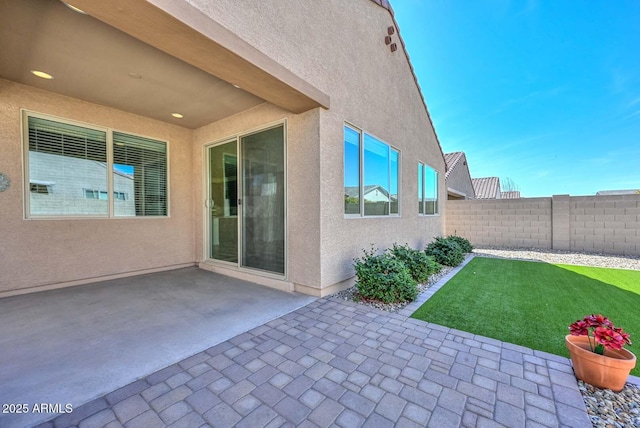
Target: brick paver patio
column 335, row 363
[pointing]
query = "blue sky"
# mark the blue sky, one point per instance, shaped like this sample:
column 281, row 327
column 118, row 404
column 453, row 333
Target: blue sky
column 544, row 92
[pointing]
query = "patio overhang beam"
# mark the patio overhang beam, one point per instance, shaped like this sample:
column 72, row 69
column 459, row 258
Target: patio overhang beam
column 184, row 32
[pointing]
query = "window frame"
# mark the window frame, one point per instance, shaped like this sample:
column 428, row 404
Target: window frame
column 422, row 172
column 361, row 173
column 109, row 168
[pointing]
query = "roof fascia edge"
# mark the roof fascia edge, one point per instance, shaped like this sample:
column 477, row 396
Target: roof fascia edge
column 456, row 192
column 387, row 5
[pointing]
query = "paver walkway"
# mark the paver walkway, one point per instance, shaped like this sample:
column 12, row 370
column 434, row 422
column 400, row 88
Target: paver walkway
column 335, row 363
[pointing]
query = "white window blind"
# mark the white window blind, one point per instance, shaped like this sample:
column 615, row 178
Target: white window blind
column 70, row 157
column 68, row 167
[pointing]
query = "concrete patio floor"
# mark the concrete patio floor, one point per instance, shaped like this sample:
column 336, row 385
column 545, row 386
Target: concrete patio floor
column 76, row 344
column 336, row 363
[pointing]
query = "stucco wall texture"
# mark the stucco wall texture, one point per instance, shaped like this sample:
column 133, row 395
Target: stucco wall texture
column 40, row 253
column 600, row 224
column 339, row 47
column 336, row 46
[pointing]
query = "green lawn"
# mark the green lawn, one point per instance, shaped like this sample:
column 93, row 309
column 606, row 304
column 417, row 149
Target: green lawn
column 532, row 304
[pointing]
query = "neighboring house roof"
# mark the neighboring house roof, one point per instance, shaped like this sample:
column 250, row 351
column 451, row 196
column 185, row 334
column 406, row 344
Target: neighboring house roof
column 486, row 187
column 512, row 194
column 618, row 192
column 452, row 159
column 352, row 191
column 458, row 160
column 385, row 4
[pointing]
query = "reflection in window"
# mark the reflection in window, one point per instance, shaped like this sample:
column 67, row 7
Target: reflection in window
column 376, row 177
column 75, row 158
column 427, row 190
column 140, row 169
column 351, row 171
column 39, row 188
column 378, row 193
column 394, row 170
column 420, row 188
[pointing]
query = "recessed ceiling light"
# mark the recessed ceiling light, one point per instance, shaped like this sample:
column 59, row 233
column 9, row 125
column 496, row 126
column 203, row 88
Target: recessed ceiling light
column 41, row 74
column 134, row 75
column 177, row 115
column 73, row 8
column 236, row 86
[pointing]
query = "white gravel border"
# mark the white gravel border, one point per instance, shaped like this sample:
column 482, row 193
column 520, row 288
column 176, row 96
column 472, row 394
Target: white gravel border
column 562, row 257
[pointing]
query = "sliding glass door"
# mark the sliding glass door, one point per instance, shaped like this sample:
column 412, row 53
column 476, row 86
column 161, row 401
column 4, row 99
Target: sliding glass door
column 247, row 204
column 223, row 202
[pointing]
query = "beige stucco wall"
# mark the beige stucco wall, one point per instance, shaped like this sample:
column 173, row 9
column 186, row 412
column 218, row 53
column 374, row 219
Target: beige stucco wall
column 38, row 253
column 339, row 47
column 335, row 46
column 600, row 224
column 387, row 105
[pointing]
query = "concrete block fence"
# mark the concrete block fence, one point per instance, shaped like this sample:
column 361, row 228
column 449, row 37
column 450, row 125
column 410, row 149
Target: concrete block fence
column 600, row 224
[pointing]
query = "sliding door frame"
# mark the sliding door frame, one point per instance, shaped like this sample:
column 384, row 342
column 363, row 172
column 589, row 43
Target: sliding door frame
column 206, row 192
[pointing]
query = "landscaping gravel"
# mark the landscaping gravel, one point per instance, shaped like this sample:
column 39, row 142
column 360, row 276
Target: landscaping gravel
column 562, row 257
column 610, row 409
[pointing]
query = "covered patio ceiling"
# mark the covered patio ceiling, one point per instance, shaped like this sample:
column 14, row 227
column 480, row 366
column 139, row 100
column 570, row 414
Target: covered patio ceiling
column 148, row 59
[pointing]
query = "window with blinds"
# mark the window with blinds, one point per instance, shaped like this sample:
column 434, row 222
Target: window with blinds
column 144, row 162
column 68, row 158
column 73, row 163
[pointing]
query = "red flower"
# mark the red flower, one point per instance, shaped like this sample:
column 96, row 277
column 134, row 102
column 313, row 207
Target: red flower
column 625, row 336
column 598, row 321
column 609, row 338
column 579, row 328
column 605, row 334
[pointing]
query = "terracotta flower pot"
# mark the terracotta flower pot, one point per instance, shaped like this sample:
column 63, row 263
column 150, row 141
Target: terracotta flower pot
column 608, row 371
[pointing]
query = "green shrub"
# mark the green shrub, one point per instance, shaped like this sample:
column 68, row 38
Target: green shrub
column 419, row 264
column 445, row 252
column 384, row 277
column 433, row 265
column 464, row 243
